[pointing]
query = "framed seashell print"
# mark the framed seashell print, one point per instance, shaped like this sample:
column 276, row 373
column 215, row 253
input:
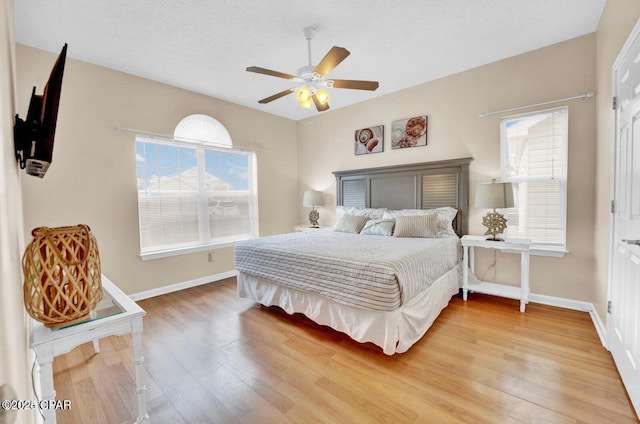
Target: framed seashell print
column 410, row 132
column 369, row 140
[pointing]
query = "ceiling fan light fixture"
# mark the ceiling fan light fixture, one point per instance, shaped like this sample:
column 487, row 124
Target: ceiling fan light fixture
column 322, row 96
column 306, row 103
column 303, row 94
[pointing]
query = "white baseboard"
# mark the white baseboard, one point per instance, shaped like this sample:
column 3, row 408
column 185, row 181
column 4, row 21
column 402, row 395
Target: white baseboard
column 181, row 286
column 561, row 302
column 575, row 305
column 601, row 329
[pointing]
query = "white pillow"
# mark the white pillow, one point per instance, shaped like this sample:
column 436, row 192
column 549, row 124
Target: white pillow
column 351, row 210
column 378, row 227
column 445, row 214
column 351, row 224
column 416, row 226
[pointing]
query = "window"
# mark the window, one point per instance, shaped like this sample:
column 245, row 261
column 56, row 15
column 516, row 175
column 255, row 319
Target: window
column 534, row 159
column 193, row 196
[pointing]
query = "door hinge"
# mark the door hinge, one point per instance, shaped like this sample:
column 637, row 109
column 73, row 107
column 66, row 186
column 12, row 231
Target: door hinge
column 614, row 102
column 609, row 307
column 613, row 206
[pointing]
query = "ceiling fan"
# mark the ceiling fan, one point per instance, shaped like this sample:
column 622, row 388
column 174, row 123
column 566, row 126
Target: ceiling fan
column 312, row 80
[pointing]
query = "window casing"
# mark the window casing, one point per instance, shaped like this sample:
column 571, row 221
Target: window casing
column 534, row 158
column 193, row 197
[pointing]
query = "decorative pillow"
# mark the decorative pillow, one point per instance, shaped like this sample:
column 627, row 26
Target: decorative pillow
column 416, row 226
column 378, row 227
column 370, row 213
column 445, row 217
column 351, row 224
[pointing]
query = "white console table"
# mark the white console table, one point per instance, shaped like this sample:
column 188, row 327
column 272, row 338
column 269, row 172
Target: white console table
column 117, row 315
column 521, row 246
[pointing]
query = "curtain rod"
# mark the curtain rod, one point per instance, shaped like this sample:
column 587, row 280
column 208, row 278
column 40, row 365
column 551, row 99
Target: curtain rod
column 581, row 96
column 188, row 140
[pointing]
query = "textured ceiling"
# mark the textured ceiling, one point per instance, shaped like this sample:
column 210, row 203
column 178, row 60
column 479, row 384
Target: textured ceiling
column 205, row 45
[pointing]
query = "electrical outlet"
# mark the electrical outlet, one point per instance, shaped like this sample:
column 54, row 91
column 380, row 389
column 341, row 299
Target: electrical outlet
column 212, row 256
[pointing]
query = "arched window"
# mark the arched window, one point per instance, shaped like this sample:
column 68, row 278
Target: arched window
column 195, row 191
column 203, row 128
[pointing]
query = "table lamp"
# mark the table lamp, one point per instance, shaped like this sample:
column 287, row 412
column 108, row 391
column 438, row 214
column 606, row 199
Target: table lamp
column 494, row 195
column 311, row 199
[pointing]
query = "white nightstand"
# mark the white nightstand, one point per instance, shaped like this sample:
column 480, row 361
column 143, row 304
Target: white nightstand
column 521, row 246
column 307, row 227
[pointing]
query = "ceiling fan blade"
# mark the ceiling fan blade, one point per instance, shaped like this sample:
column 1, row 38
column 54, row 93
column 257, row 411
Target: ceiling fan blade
column 331, row 60
column 356, row 84
column 259, row 70
column 319, row 106
column 276, row 96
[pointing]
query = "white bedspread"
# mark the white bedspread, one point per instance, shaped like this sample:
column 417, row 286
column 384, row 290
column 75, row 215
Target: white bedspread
column 365, row 271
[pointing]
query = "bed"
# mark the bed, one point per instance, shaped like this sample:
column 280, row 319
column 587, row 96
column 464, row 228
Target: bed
column 371, row 285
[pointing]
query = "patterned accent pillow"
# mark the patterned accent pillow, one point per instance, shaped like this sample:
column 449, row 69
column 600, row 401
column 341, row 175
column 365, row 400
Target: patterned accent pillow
column 351, row 224
column 445, row 214
column 416, row 226
column 378, row 227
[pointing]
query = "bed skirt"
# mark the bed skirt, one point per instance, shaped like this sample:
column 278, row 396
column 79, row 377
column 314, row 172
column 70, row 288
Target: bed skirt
column 394, row 331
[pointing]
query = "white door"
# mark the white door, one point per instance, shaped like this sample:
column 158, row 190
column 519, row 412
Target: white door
column 623, row 324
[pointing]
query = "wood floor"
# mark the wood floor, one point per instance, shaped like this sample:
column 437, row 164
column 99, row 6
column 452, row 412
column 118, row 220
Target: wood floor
column 211, row 357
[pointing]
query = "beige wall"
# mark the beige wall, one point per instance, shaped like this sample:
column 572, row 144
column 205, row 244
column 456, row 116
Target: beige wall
column 92, row 178
column 455, row 130
column 15, row 356
column 618, row 19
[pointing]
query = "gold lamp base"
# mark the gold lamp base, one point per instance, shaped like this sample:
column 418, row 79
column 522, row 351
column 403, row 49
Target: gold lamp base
column 496, row 223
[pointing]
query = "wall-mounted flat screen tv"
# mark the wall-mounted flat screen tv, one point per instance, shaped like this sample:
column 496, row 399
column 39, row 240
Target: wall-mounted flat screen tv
column 33, row 137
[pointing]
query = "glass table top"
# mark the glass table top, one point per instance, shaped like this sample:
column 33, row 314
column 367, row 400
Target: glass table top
column 106, row 308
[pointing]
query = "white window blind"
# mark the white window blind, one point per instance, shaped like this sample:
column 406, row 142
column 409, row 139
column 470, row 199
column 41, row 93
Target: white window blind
column 534, row 159
column 193, row 196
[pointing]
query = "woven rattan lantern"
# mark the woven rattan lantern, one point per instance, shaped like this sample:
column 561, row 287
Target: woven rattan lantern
column 62, row 279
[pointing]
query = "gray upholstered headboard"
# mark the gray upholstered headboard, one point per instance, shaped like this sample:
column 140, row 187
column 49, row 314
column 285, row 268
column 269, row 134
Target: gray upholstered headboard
column 425, row 185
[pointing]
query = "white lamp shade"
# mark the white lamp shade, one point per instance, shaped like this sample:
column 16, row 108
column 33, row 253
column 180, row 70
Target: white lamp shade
column 494, row 195
column 312, row 198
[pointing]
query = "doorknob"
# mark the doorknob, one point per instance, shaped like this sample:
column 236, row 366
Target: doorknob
column 636, row 242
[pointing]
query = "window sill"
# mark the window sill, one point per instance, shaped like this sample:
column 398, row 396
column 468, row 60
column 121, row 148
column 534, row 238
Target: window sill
column 158, row 254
